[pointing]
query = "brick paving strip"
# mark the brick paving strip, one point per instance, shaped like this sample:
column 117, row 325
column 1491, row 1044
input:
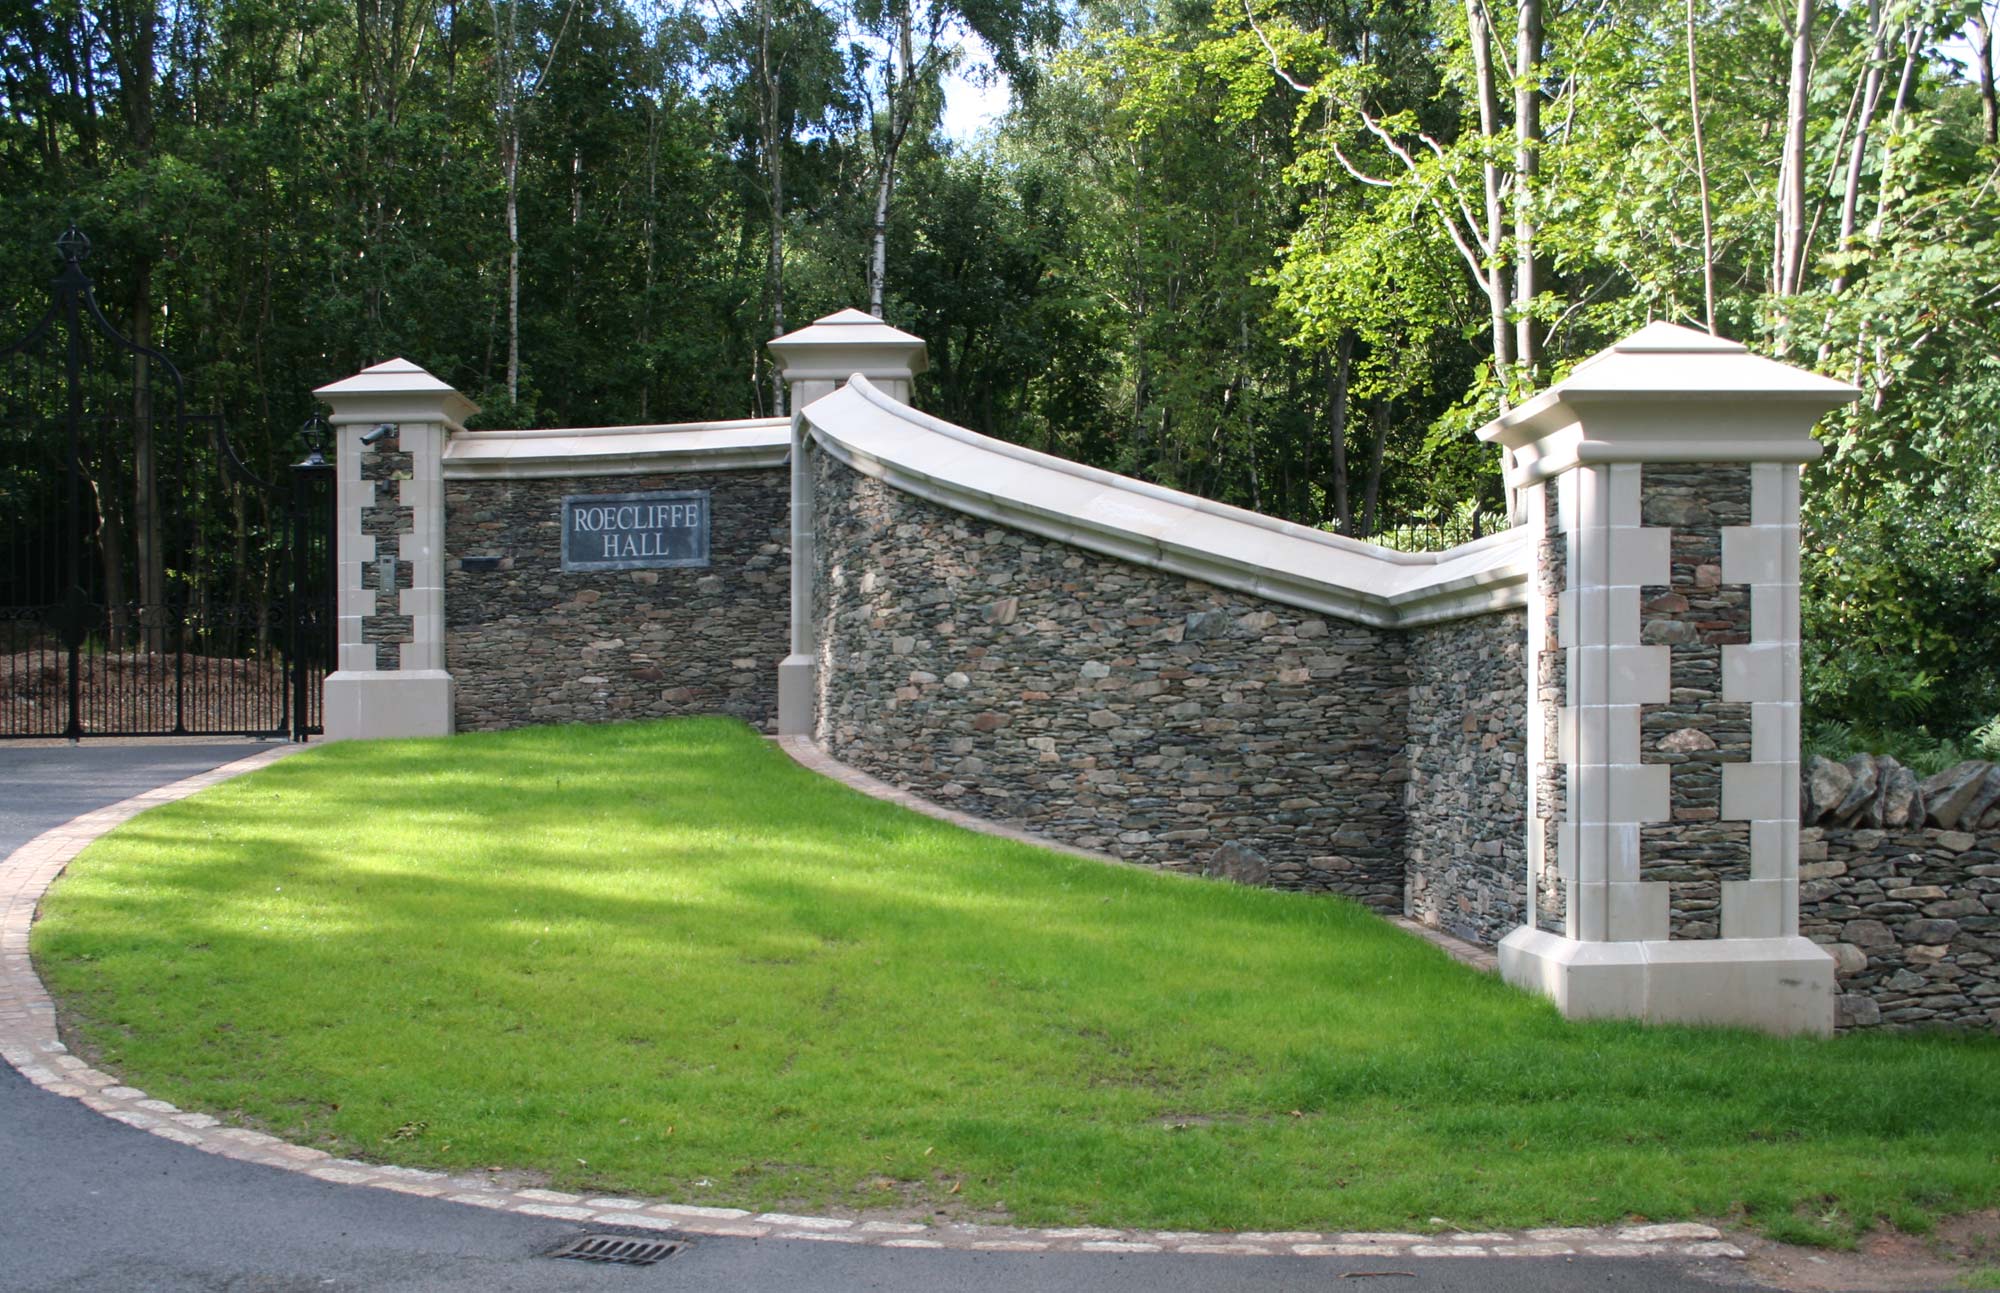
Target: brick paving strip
column 28, row 1041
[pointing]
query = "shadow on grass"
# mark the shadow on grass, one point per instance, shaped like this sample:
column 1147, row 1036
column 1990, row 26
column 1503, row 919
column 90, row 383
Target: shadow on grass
column 535, row 942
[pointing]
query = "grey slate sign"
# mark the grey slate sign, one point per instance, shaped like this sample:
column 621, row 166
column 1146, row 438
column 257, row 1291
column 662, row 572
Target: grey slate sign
column 635, row 531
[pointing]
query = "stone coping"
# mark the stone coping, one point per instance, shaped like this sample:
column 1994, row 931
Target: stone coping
column 29, row 1042
column 618, row 451
column 1164, row 529
column 1666, row 393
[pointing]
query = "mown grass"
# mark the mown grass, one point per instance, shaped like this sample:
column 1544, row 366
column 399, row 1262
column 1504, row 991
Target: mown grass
column 660, row 959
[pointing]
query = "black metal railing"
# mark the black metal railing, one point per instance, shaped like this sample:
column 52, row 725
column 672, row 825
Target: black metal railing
column 151, row 583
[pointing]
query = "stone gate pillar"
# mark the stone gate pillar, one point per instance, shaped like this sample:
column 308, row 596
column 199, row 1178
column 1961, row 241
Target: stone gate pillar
column 815, row 362
column 1661, row 487
column 392, row 421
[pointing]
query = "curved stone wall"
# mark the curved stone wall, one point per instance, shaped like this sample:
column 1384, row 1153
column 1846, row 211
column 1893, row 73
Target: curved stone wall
column 1152, row 716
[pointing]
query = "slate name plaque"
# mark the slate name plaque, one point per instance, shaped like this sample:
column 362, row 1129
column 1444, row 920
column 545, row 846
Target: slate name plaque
column 635, row 531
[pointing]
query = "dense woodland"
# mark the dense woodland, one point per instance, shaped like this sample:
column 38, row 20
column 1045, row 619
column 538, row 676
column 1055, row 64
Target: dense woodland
column 1285, row 253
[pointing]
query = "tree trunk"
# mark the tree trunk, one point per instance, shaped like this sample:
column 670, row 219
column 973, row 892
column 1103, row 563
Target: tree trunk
column 902, row 94
column 1384, row 411
column 1701, row 176
column 648, row 232
column 1857, row 154
column 148, row 539
column 111, row 550
column 1982, row 63
column 1494, row 275
column 239, row 579
column 1787, row 266
column 774, row 168
column 510, row 161
column 1338, row 373
column 1884, row 183
column 878, row 254
column 512, row 94
column 132, row 29
column 1527, row 159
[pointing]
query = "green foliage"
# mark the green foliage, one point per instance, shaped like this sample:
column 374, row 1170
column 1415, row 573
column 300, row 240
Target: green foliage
column 1910, row 744
column 1902, row 525
column 1156, row 264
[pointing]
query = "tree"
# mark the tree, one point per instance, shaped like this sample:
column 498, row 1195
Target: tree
column 899, row 81
column 521, row 63
column 786, row 85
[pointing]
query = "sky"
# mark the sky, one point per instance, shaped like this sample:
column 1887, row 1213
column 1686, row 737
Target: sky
column 974, row 98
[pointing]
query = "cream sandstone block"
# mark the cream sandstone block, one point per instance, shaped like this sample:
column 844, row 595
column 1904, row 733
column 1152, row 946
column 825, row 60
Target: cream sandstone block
column 1670, row 395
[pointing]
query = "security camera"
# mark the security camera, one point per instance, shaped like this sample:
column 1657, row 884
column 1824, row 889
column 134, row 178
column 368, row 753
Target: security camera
column 379, row 434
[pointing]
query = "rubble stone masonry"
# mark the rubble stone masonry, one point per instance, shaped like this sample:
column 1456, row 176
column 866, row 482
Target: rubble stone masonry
column 1466, row 803
column 1912, row 918
column 1154, row 717
column 528, row 643
column 1696, row 732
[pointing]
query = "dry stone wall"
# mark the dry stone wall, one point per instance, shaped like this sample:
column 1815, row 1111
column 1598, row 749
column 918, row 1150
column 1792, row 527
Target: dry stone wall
column 1912, row 918
column 528, row 642
column 1900, row 879
column 1551, row 782
column 1466, row 803
column 1157, row 718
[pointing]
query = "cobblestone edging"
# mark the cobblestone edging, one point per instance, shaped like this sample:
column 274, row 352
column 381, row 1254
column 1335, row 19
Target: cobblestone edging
column 28, row 1041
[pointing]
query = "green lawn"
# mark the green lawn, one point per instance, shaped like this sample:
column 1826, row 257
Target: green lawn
column 660, row 959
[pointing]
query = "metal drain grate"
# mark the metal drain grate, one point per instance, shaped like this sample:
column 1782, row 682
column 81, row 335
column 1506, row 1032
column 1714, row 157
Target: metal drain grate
column 617, row 1250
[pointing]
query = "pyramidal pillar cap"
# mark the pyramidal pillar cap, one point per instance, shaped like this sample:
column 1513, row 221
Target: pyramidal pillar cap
column 845, row 343
column 1667, row 394
column 395, row 390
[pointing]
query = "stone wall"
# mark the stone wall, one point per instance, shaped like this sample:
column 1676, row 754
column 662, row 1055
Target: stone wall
column 1696, row 732
column 1912, row 918
column 1157, row 718
column 528, row 643
column 1551, row 780
column 386, row 520
column 1465, row 804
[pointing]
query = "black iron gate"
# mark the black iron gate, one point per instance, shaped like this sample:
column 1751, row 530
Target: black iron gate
column 151, row 584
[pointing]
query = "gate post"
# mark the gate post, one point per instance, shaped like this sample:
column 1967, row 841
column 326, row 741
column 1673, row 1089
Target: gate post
column 315, row 542
column 389, row 681
column 1661, row 488
column 817, row 361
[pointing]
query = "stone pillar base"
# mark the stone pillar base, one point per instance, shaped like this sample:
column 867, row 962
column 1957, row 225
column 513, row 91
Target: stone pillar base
column 1774, row 985
column 364, row 705
column 797, row 679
